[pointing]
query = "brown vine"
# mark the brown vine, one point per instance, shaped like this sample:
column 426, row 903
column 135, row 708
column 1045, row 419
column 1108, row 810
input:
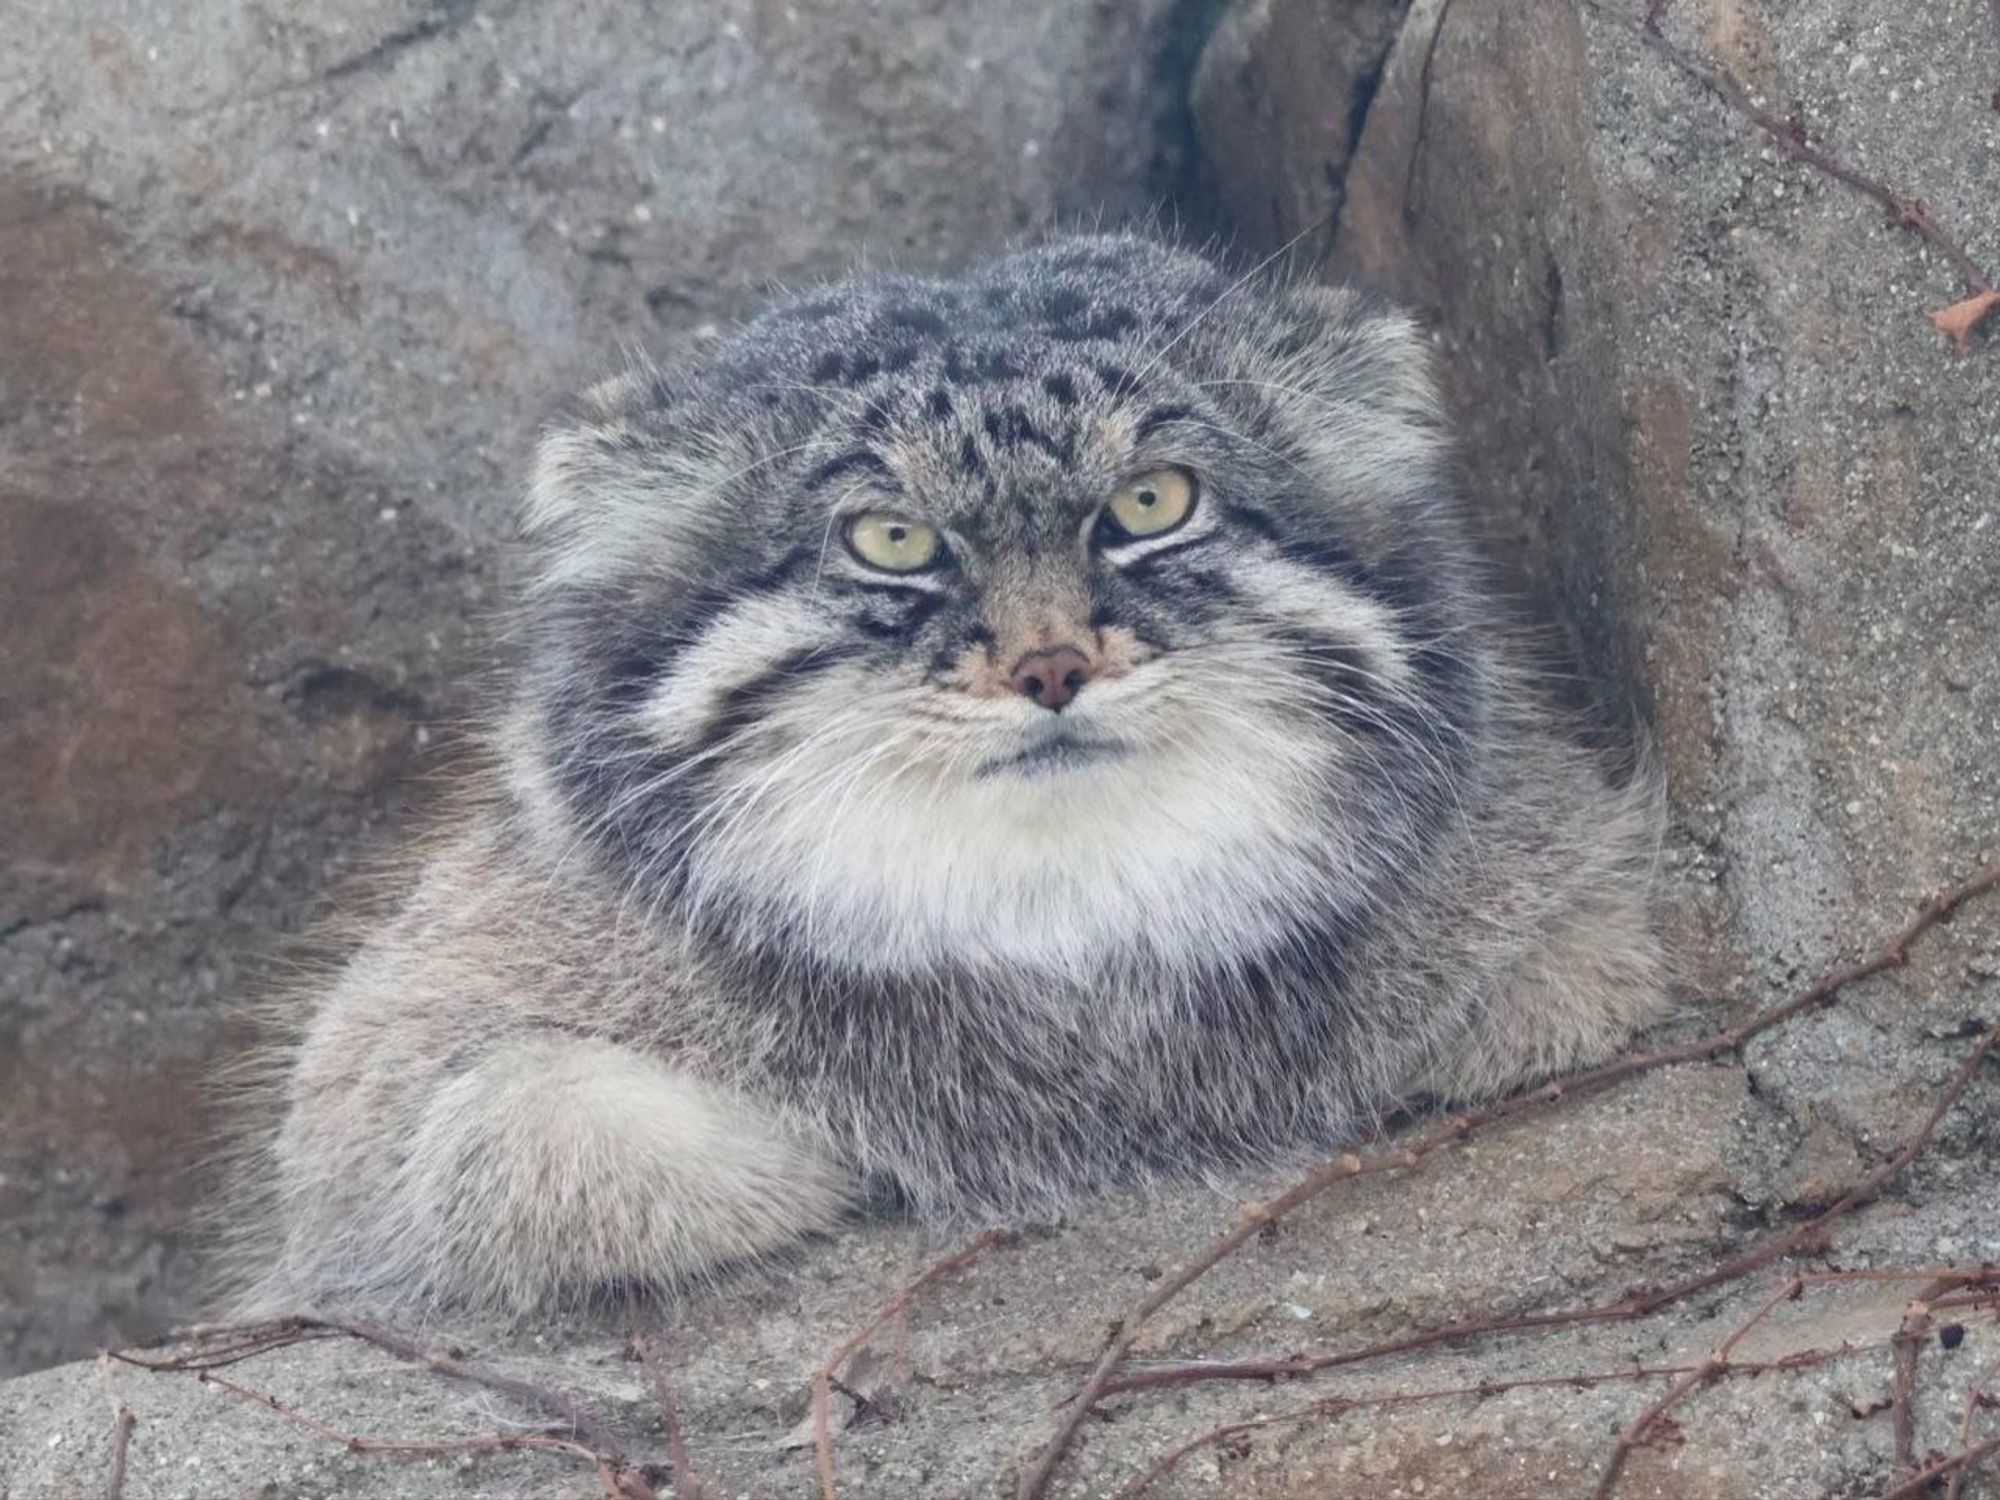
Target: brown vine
column 1039, row 1467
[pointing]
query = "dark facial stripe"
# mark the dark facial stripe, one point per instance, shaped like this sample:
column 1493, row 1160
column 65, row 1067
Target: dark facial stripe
column 774, row 577
column 745, row 704
column 639, row 645
column 635, row 666
column 1252, row 519
column 1163, row 612
column 1402, row 584
column 1355, row 702
column 855, row 461
column 912, row 612
column 1158, row 417
column 1012, row 427
column 961, row 637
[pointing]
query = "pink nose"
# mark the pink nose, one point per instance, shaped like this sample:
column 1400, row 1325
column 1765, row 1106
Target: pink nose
column 1052, row 677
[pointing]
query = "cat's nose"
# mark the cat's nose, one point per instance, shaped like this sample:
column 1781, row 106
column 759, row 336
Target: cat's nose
column 1052, row 676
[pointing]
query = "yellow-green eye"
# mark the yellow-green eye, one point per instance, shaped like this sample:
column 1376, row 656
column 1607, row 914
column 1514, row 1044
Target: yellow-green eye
column 891, row 543
column 1153, row 503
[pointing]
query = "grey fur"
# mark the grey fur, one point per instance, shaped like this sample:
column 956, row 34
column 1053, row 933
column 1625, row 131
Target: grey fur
column 779, row 892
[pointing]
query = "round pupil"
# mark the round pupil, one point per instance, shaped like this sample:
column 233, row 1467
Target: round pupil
column 1147, row 498
column 899, row 535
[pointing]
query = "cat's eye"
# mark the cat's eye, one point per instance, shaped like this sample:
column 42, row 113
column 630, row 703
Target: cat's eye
column 1152, row 504
column 893, row 544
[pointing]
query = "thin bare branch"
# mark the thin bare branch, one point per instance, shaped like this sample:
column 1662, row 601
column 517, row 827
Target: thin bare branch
column 1975, row 1394
column 559, row 1404
column 218, row 1345
column 829, row 1371
column 1965, row 1460
column 123, row 1421
column 1904, row 212
column 1328, row 1407
column 1637, row 1303
column 1040, row 1467
column 1904, row 1348
column 1709, row 1369
column 687, row 1484
column 619, row 1483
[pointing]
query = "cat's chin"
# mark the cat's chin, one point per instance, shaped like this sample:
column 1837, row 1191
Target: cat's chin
column 1060, row 751
column 1065, row 863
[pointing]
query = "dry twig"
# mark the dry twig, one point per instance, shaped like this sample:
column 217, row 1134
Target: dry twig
column 221, row 1345
column 1714, row 1367
column 1636, row 1303
column 1975, row 1396
column 1956, row 321
column 1959, row 1463
column 559, row 1404
column 1904, row 1347
column 687, row 1484
column 1708, row 1370
column 1903, row 1344
column 1331, row 1407
column 123, row 1420
column 619, row 1482
column 828, row 1373
column 1041, row 1466
column 1335, row 1406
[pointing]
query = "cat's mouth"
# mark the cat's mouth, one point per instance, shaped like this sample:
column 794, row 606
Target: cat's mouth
column 1055, row 751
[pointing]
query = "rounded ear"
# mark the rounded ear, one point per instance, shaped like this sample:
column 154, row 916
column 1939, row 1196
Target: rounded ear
column 611, row 398
column 1349, row 377
column 1359, row 347
column 613, row 489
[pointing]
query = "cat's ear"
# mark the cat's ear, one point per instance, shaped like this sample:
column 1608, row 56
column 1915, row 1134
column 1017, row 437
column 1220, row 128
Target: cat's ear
column 1350, row 377
column 615, row 397
column 615, row 488
column 1353, row 346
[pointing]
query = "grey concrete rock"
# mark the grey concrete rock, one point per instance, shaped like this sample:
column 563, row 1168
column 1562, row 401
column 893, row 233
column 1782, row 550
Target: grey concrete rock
column 1723, row 451
column 1629, row 1188
column 284, row 291
column 1703, row 412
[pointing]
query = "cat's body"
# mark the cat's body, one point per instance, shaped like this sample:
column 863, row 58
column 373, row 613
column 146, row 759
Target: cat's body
column 982, row 740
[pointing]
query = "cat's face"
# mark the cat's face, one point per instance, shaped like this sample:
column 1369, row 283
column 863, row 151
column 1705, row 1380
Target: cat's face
column 1094, row 609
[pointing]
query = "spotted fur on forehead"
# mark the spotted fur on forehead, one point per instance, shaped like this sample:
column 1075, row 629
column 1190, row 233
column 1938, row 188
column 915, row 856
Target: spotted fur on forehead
column 1061, row 358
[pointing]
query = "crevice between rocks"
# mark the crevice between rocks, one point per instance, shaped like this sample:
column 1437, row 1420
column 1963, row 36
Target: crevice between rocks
column 1178, row 178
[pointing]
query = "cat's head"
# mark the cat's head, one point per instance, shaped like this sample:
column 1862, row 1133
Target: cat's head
column 1097, row 607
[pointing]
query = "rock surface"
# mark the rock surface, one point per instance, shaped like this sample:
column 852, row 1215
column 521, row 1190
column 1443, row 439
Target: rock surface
column 256, row 454
column 1631, row 1188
